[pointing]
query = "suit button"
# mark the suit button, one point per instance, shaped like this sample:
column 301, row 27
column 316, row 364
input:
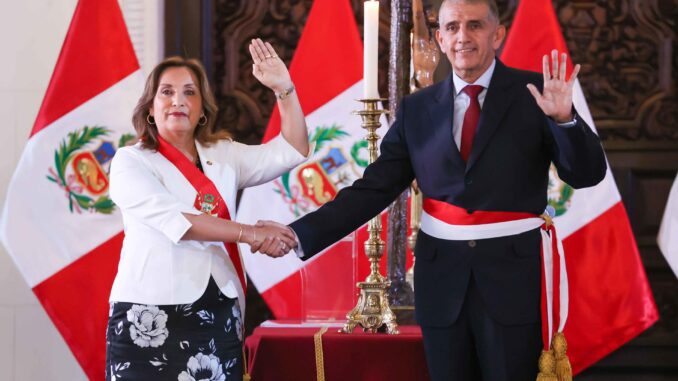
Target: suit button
column 469, row 181
column 471, row 243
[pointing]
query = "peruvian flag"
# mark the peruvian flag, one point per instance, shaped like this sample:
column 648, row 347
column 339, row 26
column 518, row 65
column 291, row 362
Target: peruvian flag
column 327, row 70
column 58, row 223
column 667, row 239
column 610, row 299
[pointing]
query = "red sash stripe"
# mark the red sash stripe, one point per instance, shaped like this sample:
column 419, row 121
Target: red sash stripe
column 203, row 185
column 455, row 215
column 556, row 280
column 549, row 332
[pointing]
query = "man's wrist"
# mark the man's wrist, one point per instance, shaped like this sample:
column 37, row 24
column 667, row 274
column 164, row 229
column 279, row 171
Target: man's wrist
column 571, row 122
column 297, row 250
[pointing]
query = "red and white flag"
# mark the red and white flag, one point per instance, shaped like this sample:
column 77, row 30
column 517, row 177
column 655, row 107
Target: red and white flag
column 58, row 223
column 610, row 299
column 327, row 70
column 668, row 231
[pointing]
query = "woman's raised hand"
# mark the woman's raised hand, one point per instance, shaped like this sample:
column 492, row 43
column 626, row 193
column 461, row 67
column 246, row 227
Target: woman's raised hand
column 268, row 68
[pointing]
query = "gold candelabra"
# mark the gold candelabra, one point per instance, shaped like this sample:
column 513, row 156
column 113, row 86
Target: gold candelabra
column 415, row 224
column 372, row 312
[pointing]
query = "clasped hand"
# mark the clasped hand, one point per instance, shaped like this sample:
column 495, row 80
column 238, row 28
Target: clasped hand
column 272, row 238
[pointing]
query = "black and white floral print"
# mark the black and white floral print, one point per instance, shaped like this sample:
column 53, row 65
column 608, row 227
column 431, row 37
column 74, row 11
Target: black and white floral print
column 238, row 320
column 203, row 368
column 148, row 326
column 200, row 341
column 116, row 369
column 235, row 324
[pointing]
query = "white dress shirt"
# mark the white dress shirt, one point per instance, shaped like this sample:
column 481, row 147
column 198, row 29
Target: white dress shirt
column 156, row 266
column 462, row 100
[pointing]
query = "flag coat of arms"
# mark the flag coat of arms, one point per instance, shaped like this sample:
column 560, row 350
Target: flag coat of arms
column 610, row 299
column 58, row 224
column 327, row 71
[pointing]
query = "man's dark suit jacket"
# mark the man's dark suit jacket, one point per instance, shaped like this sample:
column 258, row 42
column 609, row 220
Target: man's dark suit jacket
column 507, row 171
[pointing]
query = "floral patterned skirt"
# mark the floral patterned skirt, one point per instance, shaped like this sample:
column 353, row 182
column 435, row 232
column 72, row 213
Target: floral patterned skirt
column 184, row 342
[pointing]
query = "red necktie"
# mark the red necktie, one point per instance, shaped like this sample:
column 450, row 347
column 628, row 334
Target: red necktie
column 468, row 129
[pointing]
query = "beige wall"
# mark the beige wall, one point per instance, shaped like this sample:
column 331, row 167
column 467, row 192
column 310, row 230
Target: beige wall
column 32, row 33
column 30, row 346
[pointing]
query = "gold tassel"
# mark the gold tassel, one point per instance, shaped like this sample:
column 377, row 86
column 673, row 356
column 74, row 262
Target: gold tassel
column 563, row 367
column 547, row 367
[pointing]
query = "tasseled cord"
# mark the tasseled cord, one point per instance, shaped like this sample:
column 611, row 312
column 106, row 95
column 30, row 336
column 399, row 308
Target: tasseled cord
column 554, row 364
column 563, row 367
column 547, row 366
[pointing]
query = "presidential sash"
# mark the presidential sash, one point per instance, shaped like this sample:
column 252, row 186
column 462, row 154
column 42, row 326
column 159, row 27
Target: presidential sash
column 446, row 221
column 208, row 200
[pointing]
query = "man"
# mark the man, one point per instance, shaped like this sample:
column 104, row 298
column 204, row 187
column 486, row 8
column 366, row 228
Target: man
column 476, row 142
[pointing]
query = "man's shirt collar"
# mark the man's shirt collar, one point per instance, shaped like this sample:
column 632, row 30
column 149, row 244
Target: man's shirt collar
column 483, row 80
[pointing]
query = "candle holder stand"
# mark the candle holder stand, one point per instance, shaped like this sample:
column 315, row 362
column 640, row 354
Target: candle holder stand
column 372, row 311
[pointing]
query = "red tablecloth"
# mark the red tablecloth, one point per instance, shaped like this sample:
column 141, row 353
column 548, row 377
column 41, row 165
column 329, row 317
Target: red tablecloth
column 283, row 354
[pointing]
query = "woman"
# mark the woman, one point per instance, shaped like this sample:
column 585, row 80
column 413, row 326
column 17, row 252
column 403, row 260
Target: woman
column 177, row 302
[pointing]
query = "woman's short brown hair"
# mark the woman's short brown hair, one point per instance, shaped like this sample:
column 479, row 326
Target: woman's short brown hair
column 148, row 133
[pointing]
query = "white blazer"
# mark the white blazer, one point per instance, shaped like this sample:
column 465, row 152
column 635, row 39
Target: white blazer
column 156, row 266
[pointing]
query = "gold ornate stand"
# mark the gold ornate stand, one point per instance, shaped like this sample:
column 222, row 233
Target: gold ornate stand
column 372, row 311
column 415, row 223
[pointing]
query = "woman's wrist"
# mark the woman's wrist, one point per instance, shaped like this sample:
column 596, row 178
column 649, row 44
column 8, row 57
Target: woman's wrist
column 253, row 229
column 240, row 230
column 285, row 93
column 247, row 234
column 282, row 87
column 251, row 234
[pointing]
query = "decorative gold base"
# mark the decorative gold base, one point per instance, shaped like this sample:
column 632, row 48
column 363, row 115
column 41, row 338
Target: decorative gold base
column 372, row 312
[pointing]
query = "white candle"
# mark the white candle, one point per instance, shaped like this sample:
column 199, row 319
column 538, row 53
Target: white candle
column 371, row 49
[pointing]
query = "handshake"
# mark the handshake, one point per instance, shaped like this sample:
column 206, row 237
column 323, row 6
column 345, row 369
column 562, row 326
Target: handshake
column 271, row 238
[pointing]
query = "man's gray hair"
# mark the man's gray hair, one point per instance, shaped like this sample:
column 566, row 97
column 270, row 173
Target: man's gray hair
column 492, row 4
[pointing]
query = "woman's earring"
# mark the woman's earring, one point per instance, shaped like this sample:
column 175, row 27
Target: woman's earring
column 203, row 120
column 148, row 119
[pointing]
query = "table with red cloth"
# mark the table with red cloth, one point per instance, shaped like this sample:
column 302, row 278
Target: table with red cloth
column 283, row 354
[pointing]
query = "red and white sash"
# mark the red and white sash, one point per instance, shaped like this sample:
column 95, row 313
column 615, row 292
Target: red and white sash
column 207, row 200
column 446, row 221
